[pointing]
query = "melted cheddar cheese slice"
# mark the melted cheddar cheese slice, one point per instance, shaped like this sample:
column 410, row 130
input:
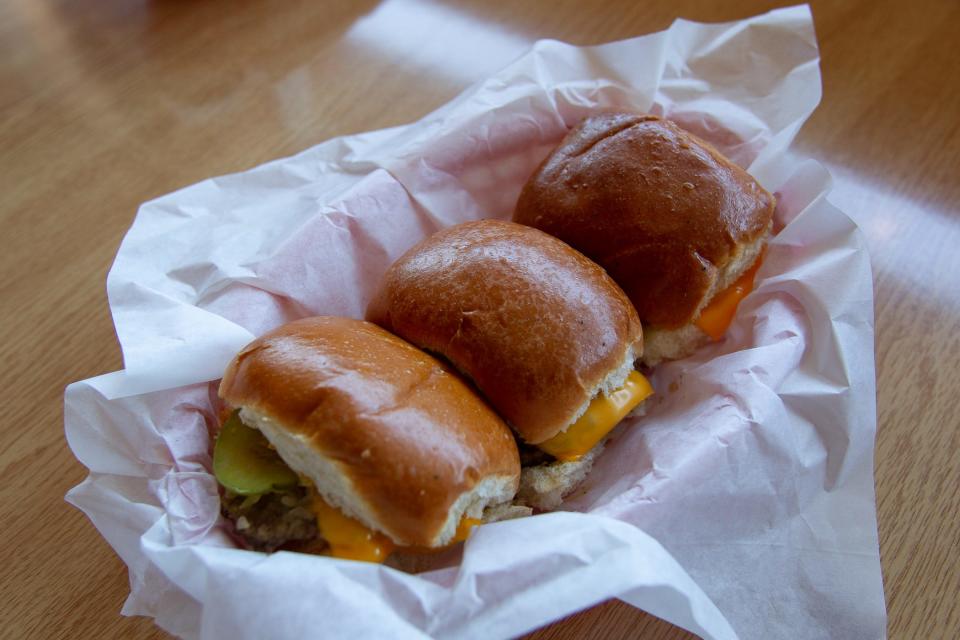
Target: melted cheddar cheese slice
column 348, row 538
column 464, row 528
column 717, row 316
column 603, row 414
column 351, row 540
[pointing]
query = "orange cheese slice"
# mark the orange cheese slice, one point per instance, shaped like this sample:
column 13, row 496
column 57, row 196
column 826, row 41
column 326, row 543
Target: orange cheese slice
column 717, row 316
column 603, row 414
column 349, row 539
column 464, row 528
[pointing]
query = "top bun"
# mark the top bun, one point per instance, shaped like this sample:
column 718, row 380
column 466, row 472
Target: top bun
column 386, row 433
column 538, row 327
column 672, row 220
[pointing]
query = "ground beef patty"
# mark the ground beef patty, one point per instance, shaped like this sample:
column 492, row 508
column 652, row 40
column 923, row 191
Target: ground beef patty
column 531, row 456
column 269, row 521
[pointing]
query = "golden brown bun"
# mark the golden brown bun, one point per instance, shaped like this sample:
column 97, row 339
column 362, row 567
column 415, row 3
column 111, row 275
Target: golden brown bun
column 389, row 434
column 661, row 210
column 536, row 325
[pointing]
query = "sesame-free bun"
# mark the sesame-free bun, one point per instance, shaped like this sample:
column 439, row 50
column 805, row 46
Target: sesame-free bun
column 670, row 219
column 385, row 432
column 538, row 327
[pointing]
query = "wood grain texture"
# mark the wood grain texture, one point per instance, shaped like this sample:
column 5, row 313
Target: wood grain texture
column 106, row 105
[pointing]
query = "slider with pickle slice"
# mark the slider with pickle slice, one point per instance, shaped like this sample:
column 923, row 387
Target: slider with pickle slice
column 345, row 440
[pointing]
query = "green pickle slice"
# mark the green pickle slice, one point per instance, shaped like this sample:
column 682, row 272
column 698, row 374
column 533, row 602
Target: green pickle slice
column 244, row 463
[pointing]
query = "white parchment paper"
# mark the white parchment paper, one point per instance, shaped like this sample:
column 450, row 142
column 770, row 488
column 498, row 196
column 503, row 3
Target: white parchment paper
column 742, row 505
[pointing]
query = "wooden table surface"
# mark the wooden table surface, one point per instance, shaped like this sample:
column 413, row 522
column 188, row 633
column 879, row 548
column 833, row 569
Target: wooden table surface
column 106, row 104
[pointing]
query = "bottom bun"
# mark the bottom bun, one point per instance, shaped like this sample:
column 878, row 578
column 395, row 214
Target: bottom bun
column 544, row 486
column 422, row 560
column 672, row 344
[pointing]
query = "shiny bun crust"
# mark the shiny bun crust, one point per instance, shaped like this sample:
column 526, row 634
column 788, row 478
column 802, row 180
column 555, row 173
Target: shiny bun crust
column 535, row 324
column 388, row 434
column 661, row 210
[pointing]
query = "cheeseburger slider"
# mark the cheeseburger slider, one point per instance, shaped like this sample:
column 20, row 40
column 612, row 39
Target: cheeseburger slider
column 677, row 225
column 548, row 338
column 348, row 441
